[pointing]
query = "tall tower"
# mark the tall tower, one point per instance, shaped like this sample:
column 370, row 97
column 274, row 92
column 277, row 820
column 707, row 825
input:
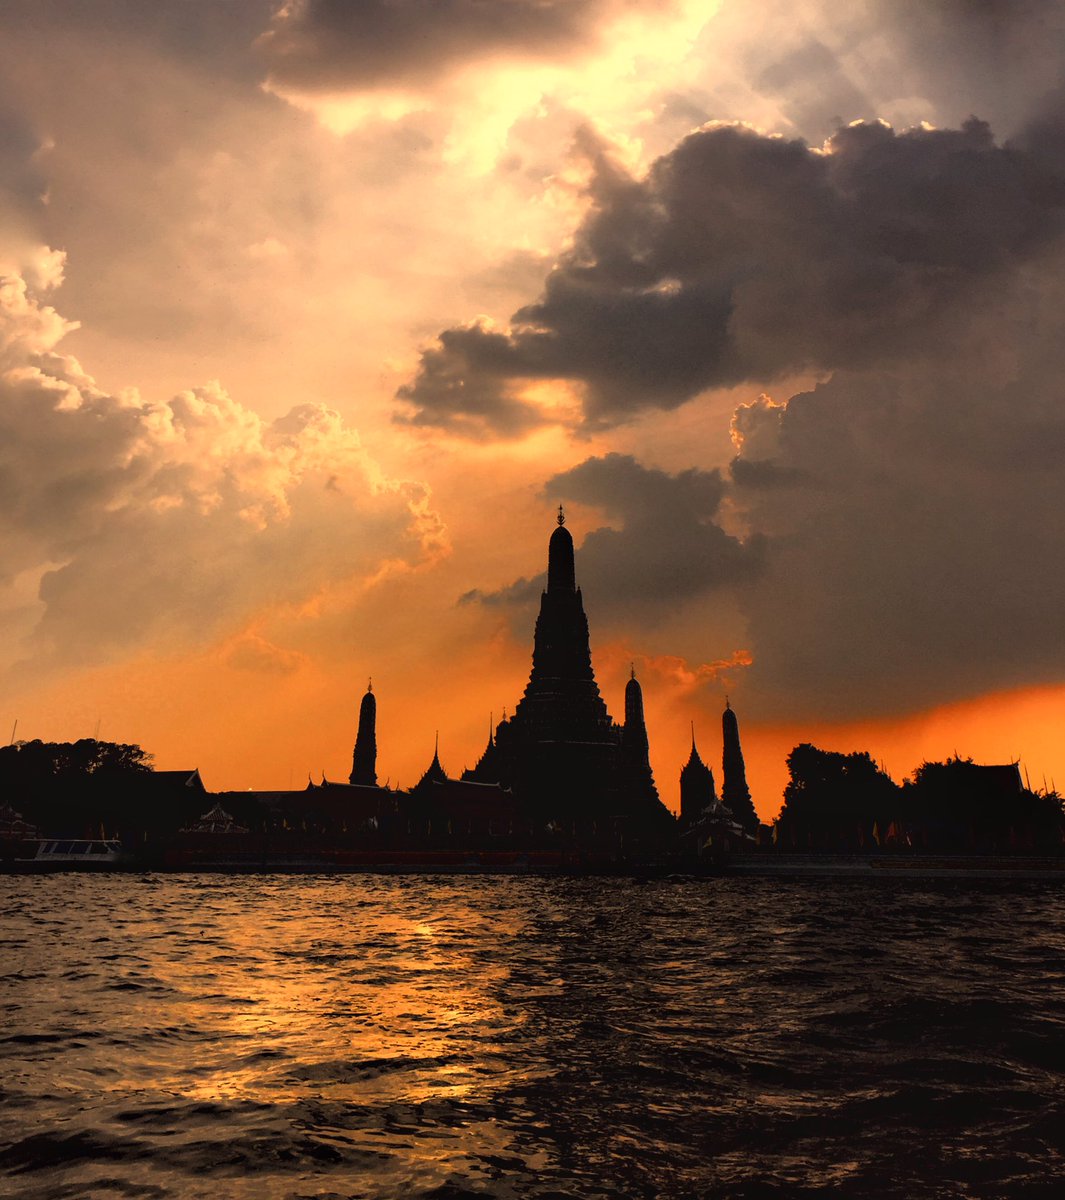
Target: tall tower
column 364, row 761
column 735, row 793
column 561, row 753
column 635, row 748
column 697, row 792
column 562, row 698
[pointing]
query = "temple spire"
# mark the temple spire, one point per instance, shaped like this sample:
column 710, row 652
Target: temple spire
column 634, row 742
column 364, row 760
column 734, row 790
column 487, row 768
column 561, row 515
column 697, row 792
column 435, row 772
column 561, row 575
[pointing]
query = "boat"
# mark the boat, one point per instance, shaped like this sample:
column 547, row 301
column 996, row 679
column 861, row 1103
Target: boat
column 78, row 854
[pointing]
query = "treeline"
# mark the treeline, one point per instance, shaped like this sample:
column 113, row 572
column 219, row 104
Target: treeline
column 845, row 803
column 75, row 787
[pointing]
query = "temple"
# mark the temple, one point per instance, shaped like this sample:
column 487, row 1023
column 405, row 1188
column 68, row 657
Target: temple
column 559, row 776
column 561, row 754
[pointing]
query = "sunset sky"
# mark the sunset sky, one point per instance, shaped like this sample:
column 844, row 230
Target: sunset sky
column 312, row 314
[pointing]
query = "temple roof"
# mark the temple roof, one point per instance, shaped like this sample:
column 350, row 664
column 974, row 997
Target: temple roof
column 434, row 773
column 695, row 764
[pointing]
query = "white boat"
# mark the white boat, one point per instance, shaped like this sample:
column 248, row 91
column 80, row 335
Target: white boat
column 80, row 854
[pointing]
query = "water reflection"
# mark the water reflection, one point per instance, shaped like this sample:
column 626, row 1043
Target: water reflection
column 525, row 1037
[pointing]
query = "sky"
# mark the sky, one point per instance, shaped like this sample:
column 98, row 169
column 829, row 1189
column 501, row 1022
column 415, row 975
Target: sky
column 312, row 314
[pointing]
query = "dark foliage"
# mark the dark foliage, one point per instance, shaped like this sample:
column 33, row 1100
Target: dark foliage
column 75, row 787
column 832, row 800
column 844, row 802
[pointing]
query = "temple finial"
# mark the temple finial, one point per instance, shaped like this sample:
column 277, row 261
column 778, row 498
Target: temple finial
column 632, row 670
column 693, row 735
column 369, row 686
column 561, row 515
column 727, row 705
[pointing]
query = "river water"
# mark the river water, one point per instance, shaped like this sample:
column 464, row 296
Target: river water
column 486, row 1036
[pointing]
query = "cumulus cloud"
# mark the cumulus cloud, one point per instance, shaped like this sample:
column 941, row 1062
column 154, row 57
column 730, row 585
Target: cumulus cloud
column 333, row 45
column 174, row 519
column 742, row 256
column 666, row 547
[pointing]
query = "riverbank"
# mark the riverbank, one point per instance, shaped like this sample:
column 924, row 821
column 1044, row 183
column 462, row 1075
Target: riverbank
column 318, row 859
column 895, row 866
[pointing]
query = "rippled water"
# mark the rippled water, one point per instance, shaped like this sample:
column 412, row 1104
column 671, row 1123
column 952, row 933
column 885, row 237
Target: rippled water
column 359, row 1036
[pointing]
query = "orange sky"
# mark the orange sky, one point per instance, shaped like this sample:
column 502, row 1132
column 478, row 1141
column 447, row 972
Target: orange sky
column 224, row 253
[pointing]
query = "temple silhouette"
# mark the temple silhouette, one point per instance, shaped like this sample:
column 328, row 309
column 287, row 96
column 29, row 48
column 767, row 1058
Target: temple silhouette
column 560, row 784
column 561, row 754
column 560, row 767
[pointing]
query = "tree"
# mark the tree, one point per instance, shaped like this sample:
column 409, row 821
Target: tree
column 832, row 800
column 71, row 786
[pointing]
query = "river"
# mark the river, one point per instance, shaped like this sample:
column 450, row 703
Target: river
column 519, row 1037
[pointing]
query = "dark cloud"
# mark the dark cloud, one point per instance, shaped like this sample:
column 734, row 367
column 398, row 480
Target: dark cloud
column 23, row 181
column 913, row 526
column 469, row 373
column 743, row 256
column 666, row 548
column 335, row 45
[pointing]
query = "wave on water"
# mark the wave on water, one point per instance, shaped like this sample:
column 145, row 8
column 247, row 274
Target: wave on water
column 483, row 1036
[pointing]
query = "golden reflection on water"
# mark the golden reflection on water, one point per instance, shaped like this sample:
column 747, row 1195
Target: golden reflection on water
column 308, row 999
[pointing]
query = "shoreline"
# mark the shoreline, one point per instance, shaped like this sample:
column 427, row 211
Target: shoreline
column 778, row 866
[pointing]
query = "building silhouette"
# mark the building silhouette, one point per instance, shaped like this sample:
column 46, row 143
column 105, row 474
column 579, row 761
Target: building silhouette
column 487, row 768
column 697, row 792
column 434, row 772
column 735, row 794
column 364, row 760
column 561, row 754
